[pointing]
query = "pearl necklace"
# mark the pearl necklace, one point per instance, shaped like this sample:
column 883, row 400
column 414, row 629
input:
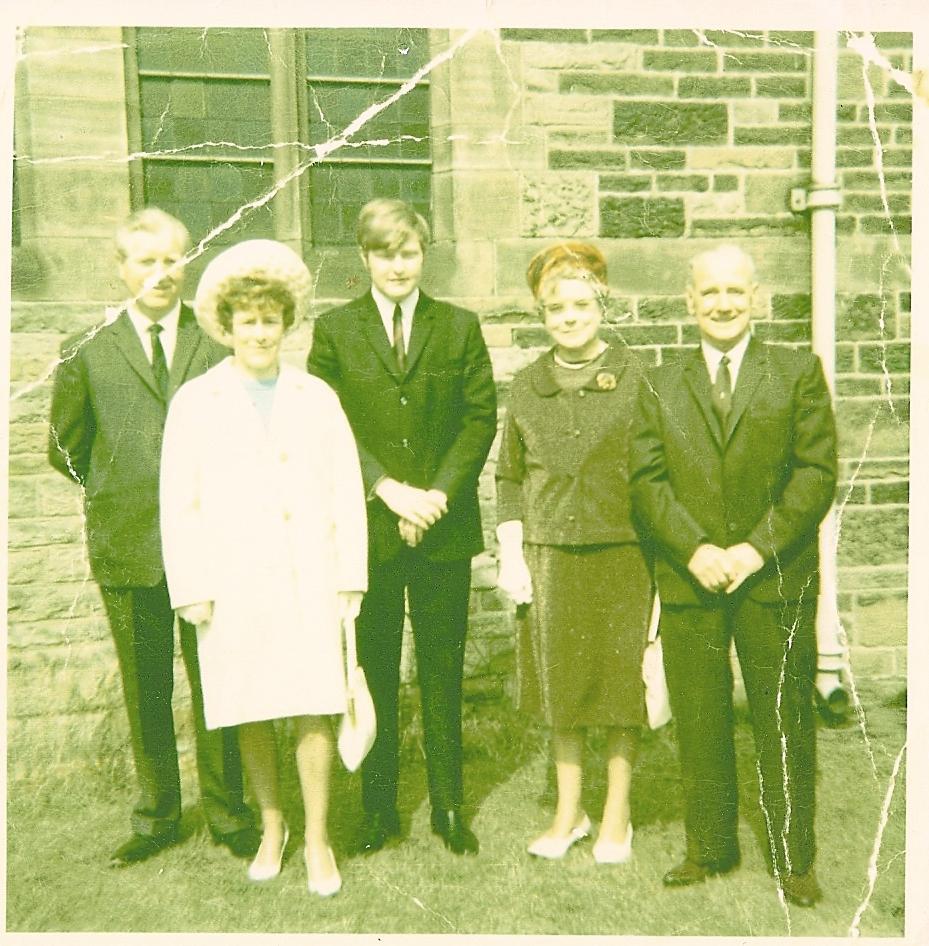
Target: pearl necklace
column 576, row 365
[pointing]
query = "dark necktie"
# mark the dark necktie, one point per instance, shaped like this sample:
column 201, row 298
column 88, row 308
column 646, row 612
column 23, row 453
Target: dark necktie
column 722, row 392
column 399, row 347
column 159, row 362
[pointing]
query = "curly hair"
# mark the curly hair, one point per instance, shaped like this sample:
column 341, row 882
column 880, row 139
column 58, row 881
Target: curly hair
column 254, row 294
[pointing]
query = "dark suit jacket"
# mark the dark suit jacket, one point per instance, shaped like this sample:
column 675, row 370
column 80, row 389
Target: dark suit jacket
column 430, row 427
column 106, row 426
column 769, row 482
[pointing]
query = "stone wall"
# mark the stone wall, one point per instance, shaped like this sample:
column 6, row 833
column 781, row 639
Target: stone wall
column 653, row 143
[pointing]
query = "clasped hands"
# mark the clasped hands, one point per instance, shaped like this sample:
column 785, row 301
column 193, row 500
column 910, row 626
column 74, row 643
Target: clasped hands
column 719, row 569
column 417, row 509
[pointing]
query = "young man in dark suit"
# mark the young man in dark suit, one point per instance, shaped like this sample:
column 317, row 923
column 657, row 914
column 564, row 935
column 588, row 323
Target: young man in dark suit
column 415, row 380
column 109, row 402
column 733, row 468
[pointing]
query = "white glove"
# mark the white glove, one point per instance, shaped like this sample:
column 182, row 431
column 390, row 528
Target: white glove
column 513, row 577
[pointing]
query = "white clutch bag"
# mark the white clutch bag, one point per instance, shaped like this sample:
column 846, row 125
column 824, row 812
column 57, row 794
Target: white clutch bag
column 358, row 728
column 657, row 702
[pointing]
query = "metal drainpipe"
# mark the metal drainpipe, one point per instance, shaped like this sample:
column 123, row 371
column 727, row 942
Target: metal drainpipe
column 286, row 202
column 822, row 200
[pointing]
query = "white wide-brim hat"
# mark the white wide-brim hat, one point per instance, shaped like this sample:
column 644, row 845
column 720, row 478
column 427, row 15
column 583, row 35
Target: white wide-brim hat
column 260, row 259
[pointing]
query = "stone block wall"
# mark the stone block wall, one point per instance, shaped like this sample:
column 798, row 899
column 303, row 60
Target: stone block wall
column 652, row 143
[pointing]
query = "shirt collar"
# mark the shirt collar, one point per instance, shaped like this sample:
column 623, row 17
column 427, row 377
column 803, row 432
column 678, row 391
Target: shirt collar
column 142, row 322
column 712, row 356
column 386, row 307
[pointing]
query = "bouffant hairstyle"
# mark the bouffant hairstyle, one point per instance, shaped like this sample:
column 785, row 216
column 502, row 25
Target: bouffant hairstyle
column 254, row 294
column 386, row 224
column 572, row 259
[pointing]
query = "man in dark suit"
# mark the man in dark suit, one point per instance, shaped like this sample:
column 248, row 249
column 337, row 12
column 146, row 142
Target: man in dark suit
column 109, row 402
column 733, row 468
column 415, row 380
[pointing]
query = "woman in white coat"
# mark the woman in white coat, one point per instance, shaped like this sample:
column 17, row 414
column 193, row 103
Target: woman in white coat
column 264, row 535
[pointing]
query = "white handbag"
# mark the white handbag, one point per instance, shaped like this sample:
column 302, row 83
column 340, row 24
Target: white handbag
column 657, row 703
column 358, row 728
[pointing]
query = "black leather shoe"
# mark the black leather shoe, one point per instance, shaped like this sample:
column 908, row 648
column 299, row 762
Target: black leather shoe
column 802, row 890
column 140, row 847
column 451, row 828
column 378, row 828
column 690, row 872
column 242, row 843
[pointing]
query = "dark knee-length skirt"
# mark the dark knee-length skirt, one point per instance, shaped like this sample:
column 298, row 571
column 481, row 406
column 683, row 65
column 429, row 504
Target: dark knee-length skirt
column 580, row 644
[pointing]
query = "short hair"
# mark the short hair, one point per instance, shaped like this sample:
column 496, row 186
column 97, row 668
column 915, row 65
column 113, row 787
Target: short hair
column 572, row 259
column 386, row 224
column 722, row 251
column 254, row 294
column 150, row 220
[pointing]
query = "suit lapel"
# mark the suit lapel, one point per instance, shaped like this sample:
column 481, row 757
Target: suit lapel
column 188, row 337
column 698, row 380
column 751, row 371
column 373, row 329
column 127, row 340
column 423, row 319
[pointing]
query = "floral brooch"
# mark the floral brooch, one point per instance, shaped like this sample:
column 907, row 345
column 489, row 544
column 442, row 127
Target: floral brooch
column 606, row 381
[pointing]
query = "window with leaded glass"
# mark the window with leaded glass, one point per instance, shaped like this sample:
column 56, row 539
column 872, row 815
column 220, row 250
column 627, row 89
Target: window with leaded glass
column 205, row 115
column 348, row 71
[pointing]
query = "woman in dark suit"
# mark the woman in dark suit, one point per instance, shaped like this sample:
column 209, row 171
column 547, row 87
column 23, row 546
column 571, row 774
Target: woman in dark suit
column 568, row 546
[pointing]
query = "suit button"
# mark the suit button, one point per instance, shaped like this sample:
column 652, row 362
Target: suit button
column 405, row 442
column 404, row 400
column 572, row 518
column 577, row 432
column 731, row 526
column 581, row 393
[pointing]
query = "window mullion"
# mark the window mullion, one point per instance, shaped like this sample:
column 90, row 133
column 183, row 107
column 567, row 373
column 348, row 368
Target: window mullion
column 133, row 119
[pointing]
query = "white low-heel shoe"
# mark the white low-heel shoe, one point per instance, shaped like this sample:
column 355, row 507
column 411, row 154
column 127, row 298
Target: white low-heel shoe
column 259, row 872
column 326, row 888
column 609, row 852
column 554, row 849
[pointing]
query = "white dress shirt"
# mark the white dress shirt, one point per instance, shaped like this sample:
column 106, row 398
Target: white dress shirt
column 386, row 309
column 713, row 356
column 168, row 334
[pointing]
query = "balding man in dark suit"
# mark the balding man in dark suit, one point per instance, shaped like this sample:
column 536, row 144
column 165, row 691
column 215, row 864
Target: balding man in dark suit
column 733, row 468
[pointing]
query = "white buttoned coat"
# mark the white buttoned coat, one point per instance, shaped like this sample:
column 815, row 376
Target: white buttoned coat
column 268, row 523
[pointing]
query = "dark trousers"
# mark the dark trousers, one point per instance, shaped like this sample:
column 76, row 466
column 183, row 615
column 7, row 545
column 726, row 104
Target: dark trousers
column 142, row 624
column 776, row 645
column 438, row 596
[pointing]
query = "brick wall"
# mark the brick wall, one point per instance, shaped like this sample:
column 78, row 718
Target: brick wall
column 650, row 142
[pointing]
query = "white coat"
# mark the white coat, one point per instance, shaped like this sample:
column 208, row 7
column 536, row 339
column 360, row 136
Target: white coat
column 268, row 524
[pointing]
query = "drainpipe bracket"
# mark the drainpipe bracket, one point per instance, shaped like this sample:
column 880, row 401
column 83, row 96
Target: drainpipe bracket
column 818, row 197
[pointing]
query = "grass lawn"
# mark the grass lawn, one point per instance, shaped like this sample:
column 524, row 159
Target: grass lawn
column 60, row 836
